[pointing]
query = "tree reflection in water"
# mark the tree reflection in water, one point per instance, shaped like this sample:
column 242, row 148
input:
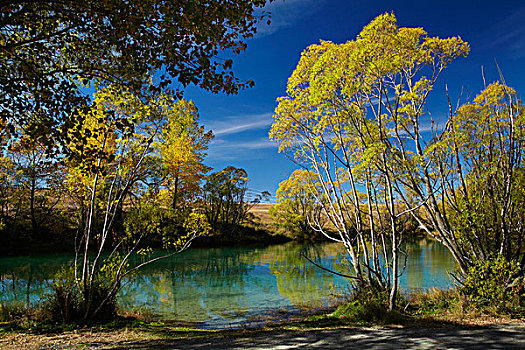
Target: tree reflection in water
column 219, row 287
column 299, row 280
column 207, row 284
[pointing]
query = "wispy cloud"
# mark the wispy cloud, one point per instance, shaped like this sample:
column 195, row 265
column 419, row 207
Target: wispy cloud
column 225, row 150
column 248, row 145
column 241, row 123
column 509, row 35
column 426, row 127
column 285, row 14
column 240, row 137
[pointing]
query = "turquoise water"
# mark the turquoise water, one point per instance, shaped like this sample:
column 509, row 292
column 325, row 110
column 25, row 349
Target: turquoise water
column 228, row 287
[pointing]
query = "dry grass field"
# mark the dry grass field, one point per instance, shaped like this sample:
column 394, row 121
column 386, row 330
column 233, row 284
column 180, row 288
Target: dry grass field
column 260, row 211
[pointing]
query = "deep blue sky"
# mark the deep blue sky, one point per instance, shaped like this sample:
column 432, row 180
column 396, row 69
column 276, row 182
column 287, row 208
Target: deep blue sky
column 494, row 30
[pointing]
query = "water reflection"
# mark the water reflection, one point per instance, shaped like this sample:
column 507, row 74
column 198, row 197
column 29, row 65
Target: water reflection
column 25, row 279
column 301, row 282
column 429, row 265
column 199, row 285
column 219, row 287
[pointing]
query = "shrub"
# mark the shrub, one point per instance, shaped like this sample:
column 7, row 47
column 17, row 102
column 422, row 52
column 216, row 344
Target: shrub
column 13, row 311
column 62, row 304
column 369, row 306
column 66, row 303
column 495, row 282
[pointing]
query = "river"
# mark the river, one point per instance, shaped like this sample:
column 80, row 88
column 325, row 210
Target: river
column 231, row 287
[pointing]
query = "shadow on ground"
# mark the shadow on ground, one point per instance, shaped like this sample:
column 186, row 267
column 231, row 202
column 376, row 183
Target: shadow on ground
column 479, row 337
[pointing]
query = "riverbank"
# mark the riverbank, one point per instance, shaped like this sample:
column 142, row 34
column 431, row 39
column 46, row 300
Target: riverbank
column 469, row 334
column 259, row 230
column 431, row 320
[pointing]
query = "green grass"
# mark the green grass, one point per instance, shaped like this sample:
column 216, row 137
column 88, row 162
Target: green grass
column 430, row 308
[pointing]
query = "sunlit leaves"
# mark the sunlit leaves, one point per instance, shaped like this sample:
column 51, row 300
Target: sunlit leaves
column 298, row 204
column 335, row 87
column 224, row 198
column 486, row 144
column 182, row 145
column 352, row 115
column 49, row 49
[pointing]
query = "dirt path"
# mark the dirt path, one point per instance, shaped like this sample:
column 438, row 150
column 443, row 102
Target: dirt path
column 508, row 336
column 486, row 337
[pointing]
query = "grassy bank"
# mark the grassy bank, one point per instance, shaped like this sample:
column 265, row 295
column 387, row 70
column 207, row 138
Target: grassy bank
column 435, row 308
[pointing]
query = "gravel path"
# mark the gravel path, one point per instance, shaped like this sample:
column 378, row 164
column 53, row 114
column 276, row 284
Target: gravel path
column 480, row 337
column 502, row 336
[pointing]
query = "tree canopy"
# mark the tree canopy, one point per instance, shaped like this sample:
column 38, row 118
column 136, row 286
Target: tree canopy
column 352, row 115
column 50, row 49
column 356, row 115
column 129, row 159
column 224, row 199
column 182, row 146
column 298, row 205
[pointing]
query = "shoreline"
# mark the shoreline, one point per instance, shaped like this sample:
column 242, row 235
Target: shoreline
column 503, row 334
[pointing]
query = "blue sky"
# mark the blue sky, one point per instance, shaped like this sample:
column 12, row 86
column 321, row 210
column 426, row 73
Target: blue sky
column 494, row 30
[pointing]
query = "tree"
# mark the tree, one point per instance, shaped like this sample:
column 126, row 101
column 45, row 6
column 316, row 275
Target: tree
column 224, row 199
column 107, row 171
column 478, row 163
column 297, row 208
column 6, row 187
column 30, row 192
column 352, row 116
column 35, row 180
column 182, row 148
column 50, row 49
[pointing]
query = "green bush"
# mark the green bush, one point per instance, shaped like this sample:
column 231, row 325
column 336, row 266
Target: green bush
column 66, row 303
column 62, row 304
column 368, row 306
column 13, row 311
column 495, row 282
column 434, row 301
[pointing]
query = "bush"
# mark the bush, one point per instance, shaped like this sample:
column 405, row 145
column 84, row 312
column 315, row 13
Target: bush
column 441, row 304
column 495, row 282
column 369, row 306
column 67, row 304
column 62, row 304
column 14, row 311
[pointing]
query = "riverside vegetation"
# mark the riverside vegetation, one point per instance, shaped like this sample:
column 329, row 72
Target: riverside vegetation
column 123, row 173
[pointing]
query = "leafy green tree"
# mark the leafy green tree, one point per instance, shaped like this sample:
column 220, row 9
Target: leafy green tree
column 30, row 193
column 479, row 164
column 176, row 166
column 298, row 206
column 224, row 199
column 182, row 148
column 107, row 170
column 50, row 49
column 495, row 282
column 6, row 189
column 352, row 115
column 38, row 180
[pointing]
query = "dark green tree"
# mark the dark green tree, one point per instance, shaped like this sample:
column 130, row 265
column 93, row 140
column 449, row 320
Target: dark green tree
column 49, row 50
column 224, row 196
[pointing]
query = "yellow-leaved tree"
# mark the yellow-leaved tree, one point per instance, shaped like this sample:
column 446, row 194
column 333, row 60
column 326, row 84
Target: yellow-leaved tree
column 113, row 152
column 182, row 146
column 352, row 115
column 298, row 206
column 479, row 211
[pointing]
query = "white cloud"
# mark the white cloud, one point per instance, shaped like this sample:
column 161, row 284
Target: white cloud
column 237, row 124
column 285, row 13
column 227, row 150
column 240, row 137
column 255, row 145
